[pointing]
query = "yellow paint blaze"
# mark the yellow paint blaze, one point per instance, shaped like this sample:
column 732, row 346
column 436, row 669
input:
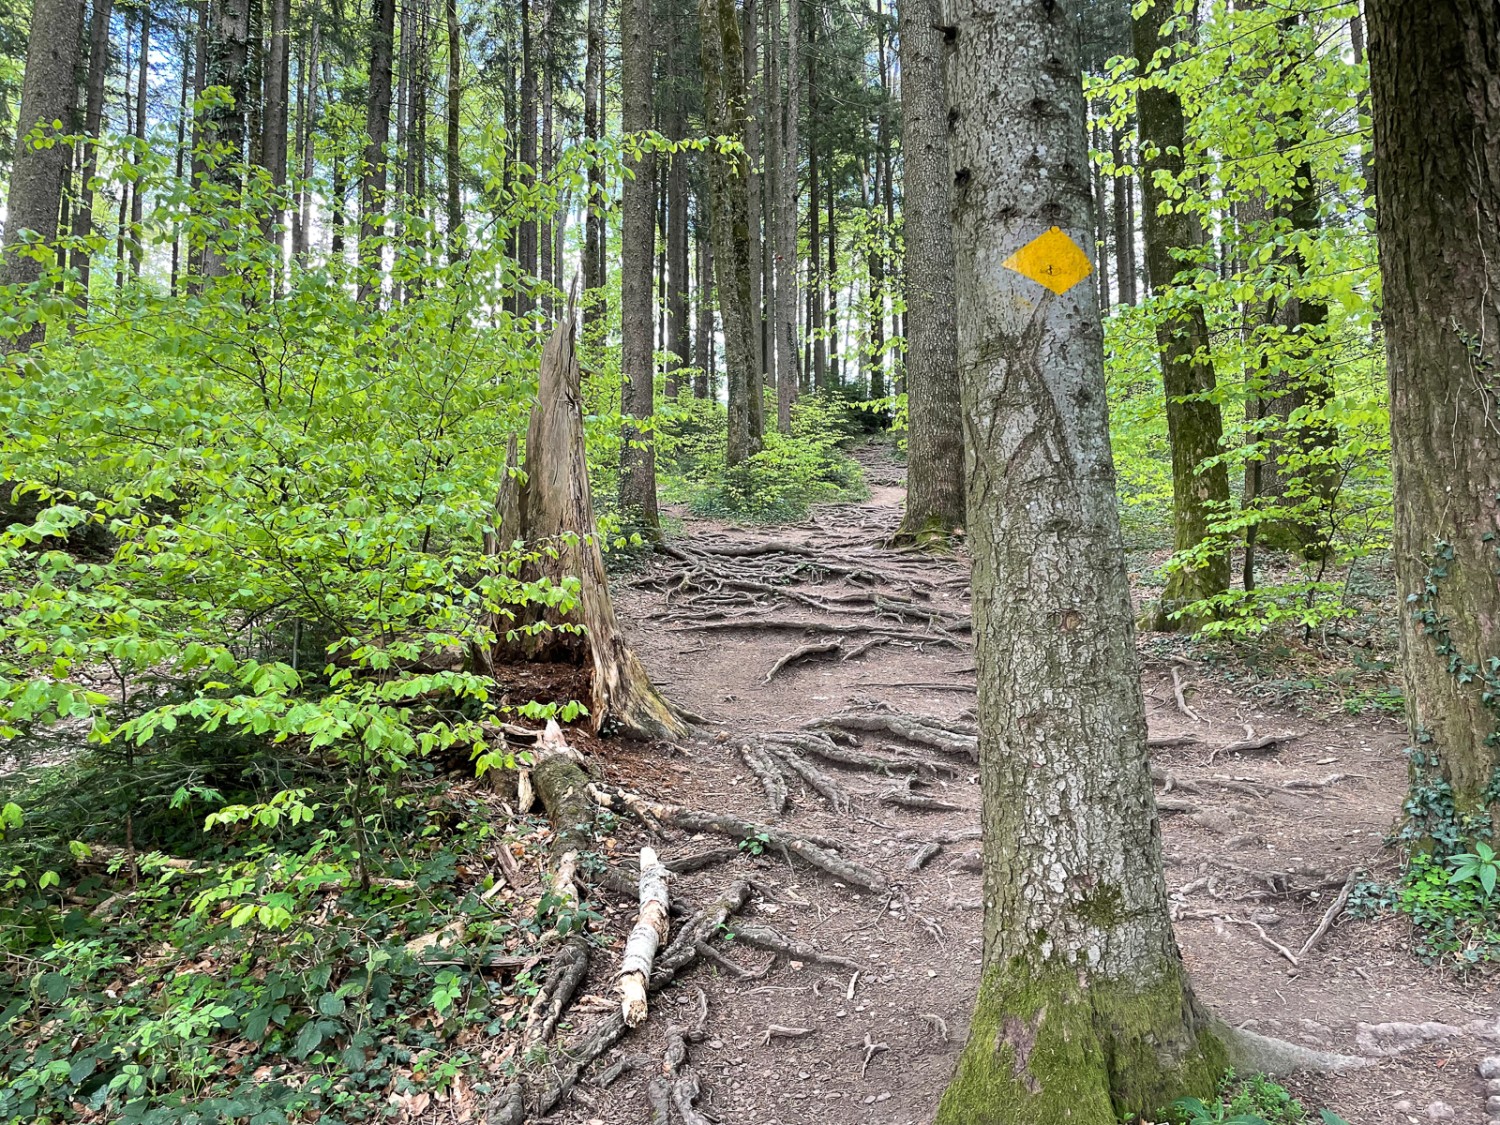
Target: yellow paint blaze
column 1051, row 259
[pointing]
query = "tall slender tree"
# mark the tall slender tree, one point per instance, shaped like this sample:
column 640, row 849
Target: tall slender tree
column 93, row 117
column 788, row 301
column 1085, row 1013
column 637, row 253
column 48, row 91
column 935, row 449
column 1195, row 425
column 1437, row 160
column 728, row 177
column 373, row 177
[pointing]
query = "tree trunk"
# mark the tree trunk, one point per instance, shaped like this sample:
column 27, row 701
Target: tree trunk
column 593, row 126
column 1084, row 1013
column 761, row 279
column 526, row 245
column 554, row 514
column 834, row 373
column 1195, row 427
column 935, row 448
column 814, row 216
column 302, row 243
column 678, row 333
column 728, row 177
column 545, row 158
column 372, row 181
column 637, row 253
column 93, row 115
column 138, row 130
column 788, row 302
column 1101, row 221
column 1124, row 223
column 278, row 79
column 453, row 157
column 1437, row 155
column 704, row 356
column 179, row 155
column 48, row 89
column 122, row 216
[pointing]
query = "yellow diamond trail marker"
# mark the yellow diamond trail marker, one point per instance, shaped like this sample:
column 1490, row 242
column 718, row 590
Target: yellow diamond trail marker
column 1051, row 259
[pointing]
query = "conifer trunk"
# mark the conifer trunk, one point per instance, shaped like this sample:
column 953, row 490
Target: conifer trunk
column 1437, row 155
column 728, row 177
column 1084, row 1014
column 372, row 181
column 935, row 450
column 637, row 253
column 93, row 115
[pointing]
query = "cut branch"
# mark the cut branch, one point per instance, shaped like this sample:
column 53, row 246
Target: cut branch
column 649, row 932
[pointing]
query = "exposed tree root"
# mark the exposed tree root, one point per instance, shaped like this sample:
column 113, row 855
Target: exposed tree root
column 738, row 972
column 764, row 937
column 760, row 762
column 1259, row 1054
column 817, row 780
column 822, row 746
column 677, row 1086
column 1265, row 744
column 1329, row 915
column 696, row 820
column 913, row 728
column 923, row 856
column 836, row 628
column 906, row 800
column 818, row 648
column 569, row 966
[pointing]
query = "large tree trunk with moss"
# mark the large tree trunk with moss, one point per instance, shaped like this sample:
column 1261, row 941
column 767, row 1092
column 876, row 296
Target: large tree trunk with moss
column 728, row 180
column 1437, row 154
column 550, row 508
column 1085, row 1014
column 637, row 300
column 935, row 446
column 36, row 182
column 1195, row 427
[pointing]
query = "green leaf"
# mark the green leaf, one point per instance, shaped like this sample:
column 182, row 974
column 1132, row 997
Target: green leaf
column 308, row 1039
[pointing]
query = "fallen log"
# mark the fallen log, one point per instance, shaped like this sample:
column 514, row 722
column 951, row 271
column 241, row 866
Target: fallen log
column 648, row 934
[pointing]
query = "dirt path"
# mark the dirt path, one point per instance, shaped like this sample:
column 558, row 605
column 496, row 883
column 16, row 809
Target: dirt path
column 1265, row 837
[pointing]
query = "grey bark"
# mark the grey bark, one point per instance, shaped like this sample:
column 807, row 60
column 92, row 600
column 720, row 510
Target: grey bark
column 637, row 253
column 453, row 162
column 728, row 177
column 278, row 80
column 593, row 116
column 93, row 114
column 372, row 182
column 48, row 90
column 1081, row 968
column 935, row 468
column 788, row 302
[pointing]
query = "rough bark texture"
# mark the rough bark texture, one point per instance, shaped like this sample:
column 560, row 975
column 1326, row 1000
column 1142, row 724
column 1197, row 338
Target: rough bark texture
column 454, row 158
column 593, row 226
column 728, row 177
column 788, row 302
column 1195, row 428
column 372, row 181
column 278, row 81
column 637, row 299
column 1436, row 94
column 93, row 112
column 47, row 96
column 1084, row 1014
column 935, row 450
column 1124, row 224
column 555, row 511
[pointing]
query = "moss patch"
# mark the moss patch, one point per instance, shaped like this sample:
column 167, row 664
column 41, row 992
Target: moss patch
column 1045, row 1050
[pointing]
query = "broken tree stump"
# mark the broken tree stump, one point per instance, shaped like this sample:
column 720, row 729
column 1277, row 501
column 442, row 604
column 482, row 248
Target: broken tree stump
column 550, row 509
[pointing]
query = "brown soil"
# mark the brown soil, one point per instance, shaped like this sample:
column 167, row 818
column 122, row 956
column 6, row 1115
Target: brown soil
column 1244, row 837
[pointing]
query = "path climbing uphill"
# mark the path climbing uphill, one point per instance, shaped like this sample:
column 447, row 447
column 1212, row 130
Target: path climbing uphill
column 820, row 830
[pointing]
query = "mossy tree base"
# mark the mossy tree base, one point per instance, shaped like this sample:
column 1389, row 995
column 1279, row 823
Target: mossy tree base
column 934, row 533
column 1058, row 1048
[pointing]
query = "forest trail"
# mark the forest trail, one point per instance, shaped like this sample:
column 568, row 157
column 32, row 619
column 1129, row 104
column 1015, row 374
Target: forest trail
column 1258, row 844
